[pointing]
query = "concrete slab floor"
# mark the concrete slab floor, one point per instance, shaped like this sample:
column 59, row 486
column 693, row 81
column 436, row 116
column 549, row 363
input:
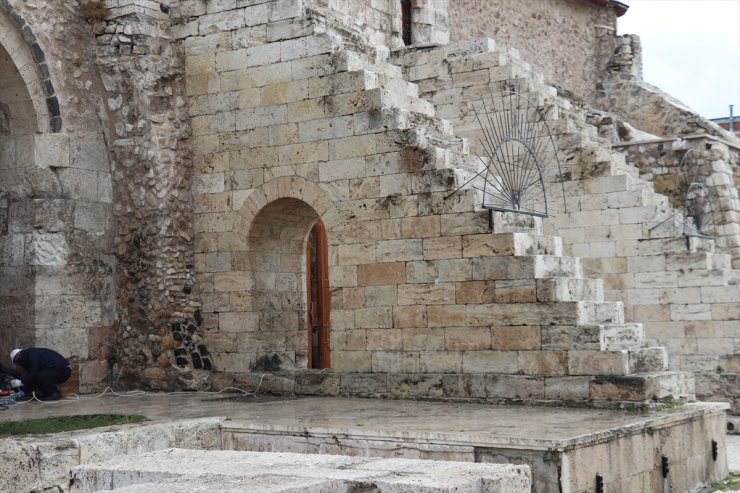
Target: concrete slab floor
column 480, row 421
column 453, row 422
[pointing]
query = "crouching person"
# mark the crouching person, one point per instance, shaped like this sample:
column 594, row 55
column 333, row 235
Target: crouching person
column 45, row 370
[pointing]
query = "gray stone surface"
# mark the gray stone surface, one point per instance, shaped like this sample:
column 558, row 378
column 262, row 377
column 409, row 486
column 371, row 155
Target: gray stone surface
column 190, row 471
column 583, row 439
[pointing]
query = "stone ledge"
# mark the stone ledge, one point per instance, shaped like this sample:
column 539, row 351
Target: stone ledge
column 187, row 470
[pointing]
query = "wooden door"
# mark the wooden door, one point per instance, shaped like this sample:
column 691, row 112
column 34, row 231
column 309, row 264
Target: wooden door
column 317, row 297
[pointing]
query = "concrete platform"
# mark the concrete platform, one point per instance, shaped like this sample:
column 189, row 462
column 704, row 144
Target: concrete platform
column 566, row 448
column 186, row 471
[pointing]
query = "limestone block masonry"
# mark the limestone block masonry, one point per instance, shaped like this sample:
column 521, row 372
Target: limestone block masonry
column 165, row 164
column 426, row 301
column 230, row 471
column 55, row 190
column 684, row 290
column 158, row 340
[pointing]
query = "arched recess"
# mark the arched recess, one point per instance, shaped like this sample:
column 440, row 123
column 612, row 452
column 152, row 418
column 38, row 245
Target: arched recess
column 278, row 263
column 19, row 122
column 30, row 100
column 286, row 223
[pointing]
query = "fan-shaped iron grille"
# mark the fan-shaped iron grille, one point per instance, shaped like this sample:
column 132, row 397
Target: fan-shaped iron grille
column 521, row 171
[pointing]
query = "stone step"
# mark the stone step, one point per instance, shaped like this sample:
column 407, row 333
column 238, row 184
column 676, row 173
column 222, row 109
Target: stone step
column 465, row 161
column 614, row 183
column 674, row 244
column 510, row 222
column 568, row 289
column 437, row 132
column 621, row 336
column 560, row 320
column 600, row 312
column 593, row 337
column 349, row 61
column 399, row 85
column 661, row 385
column 533, row 267
column 598, row 154
column 512, row 244
column 690, row 261
column 180, row 470
column 599, row 337
column 374, row 100
column 618, row 200
column 434, row 135
column 649, row 359
column 598, row 363
column 602, row 168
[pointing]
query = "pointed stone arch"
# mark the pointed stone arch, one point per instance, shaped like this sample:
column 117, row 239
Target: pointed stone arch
column 20, row 48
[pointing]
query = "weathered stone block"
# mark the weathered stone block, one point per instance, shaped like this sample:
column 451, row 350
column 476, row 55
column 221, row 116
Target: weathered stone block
column 474, row 292
column 467, row 338
column 515, row 291
column 446, row 315
column 376, row 317
column 526, row 338
column 383, row 273
column 567, row 388
column 598, row 363
column 543, row 362
column 426, row 294
column 441, row 248
column 490, row 362
column 409, row 316
column 514, row 387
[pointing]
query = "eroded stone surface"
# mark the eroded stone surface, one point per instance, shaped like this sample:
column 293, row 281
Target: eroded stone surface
column 286, row 472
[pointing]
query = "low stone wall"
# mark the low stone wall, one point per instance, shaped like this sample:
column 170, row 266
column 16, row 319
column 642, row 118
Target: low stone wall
column 696, row 316
column 43, row 464
column 672, row 165
column 627, row 456
column 176, row 470
column 622, row 90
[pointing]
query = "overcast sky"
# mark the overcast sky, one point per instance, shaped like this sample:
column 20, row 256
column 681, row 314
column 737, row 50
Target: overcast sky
column 691, row 49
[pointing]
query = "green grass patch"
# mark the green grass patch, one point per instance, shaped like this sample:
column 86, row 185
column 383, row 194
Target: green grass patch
column 732, row 482
column 60, row 424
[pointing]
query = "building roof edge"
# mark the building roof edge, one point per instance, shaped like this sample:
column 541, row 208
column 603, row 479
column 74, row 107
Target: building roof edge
column 620, row 7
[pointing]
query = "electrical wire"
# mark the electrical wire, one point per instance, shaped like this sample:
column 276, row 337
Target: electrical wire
column 137, row 393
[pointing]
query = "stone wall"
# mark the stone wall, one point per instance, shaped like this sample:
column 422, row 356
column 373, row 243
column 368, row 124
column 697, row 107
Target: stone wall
column 157, row 336
column 380, row 23
column 55, row 197
column 622, row 90
column 568, row 41
column 697, row 320
column 673, row 165
column 426, row 300
column 683, row 290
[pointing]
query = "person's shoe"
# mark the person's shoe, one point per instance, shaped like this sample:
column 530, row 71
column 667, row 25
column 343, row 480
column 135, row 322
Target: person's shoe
column 51, row 397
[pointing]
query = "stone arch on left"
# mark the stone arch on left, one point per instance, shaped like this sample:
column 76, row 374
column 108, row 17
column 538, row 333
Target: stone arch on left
column 56, row 270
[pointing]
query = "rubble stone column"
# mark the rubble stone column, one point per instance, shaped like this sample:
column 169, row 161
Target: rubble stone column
column 158, row 344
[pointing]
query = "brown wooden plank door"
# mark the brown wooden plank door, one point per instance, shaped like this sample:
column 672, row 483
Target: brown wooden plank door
column 317, row 297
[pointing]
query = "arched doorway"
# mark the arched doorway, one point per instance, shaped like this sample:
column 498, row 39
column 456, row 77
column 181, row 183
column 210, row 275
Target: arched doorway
column 288, row 265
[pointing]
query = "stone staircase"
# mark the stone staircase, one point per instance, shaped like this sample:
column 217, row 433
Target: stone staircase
column 546, row 333
column 600, row 344
column 611, row 347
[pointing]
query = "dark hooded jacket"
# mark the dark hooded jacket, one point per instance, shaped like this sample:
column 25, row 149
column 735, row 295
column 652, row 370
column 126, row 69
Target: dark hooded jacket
column 36, row 359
